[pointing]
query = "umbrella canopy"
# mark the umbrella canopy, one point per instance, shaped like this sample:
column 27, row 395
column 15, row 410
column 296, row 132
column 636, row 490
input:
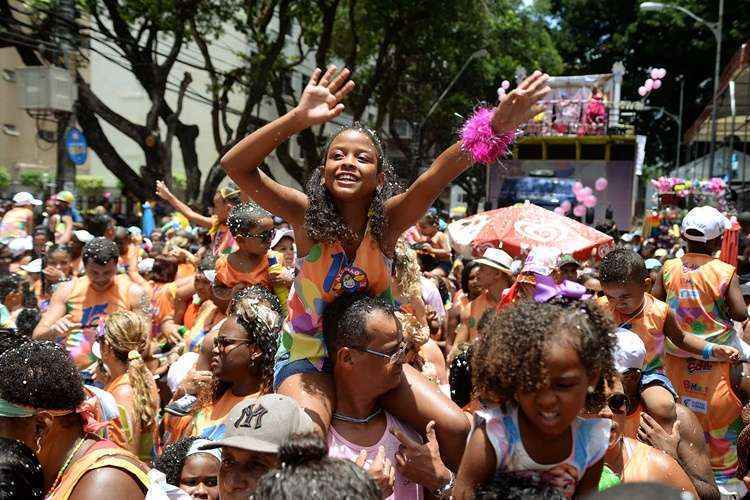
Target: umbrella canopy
column 523, row 226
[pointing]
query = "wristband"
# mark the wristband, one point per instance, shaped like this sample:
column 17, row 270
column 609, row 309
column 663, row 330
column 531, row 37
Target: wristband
column 481, row 141
column 445, row 490
column 708, row 351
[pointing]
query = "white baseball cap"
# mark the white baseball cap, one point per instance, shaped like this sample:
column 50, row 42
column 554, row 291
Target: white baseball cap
column 281, row 233
column 83, row 236
column 25, row 198
column 496, row 259
column 707, row 221
column 629, row 351
column 35, row 266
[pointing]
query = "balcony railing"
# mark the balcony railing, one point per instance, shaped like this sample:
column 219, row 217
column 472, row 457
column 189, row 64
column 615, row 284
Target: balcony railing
column 566, row 117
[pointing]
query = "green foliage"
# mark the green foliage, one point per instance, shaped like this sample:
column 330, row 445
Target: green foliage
column 179, row 181
column 89, row 185
column 4, row 178
column 33, row 179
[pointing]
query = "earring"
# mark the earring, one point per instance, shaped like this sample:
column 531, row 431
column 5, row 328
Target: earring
column 590, row 389
column 38, row 444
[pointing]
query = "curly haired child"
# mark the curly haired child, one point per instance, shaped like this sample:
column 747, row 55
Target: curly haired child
column 346, row 226
column 535, row 370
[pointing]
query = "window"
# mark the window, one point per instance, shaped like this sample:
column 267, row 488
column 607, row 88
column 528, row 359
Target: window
column 11, row 129
column 9, row 75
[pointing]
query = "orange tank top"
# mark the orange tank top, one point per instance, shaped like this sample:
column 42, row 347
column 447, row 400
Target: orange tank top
column 696, row 288
column 705, row 388
column 230, row 276
column 122, row 430
column 88, row 307
column 101, row 454
column 648, row 324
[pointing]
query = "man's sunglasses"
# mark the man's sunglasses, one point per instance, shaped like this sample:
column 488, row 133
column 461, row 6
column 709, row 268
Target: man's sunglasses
column 393, row 358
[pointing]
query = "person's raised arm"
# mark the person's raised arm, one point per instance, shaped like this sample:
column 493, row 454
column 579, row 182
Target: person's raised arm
column 517, row 107
column 194, row 217
column 320, row 103
column 55, row 322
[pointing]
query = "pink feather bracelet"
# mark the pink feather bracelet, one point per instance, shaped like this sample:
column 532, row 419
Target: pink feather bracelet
column 481, row 141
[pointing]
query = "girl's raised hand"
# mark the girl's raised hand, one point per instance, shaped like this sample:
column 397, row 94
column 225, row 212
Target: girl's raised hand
column 321, row 99
column 520, row 105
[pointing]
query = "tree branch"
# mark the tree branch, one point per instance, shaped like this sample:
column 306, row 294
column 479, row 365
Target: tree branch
column 92, row 102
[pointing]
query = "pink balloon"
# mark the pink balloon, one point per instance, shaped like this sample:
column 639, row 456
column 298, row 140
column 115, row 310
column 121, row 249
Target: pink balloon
column 601, row 184
column 648, row 84
column 565, row 205
column 577, row 186
column 580, row 196
column 559, row 211
column 657, row 84
column 655, row 73
column 587, row 191
column 642, row 91
column 590, row 201
column 505, row 85
column 662, row 73
column 579, row 211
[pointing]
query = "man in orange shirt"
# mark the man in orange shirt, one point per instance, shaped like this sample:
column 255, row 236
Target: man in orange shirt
column 77, row 306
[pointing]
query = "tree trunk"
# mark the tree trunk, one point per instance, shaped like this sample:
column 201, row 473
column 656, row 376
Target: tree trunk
column 187, row 136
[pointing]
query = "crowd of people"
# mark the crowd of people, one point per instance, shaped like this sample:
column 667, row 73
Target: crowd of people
column 331, row 344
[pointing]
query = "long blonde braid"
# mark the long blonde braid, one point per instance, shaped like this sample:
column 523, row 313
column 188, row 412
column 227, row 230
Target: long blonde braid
column 127, row 333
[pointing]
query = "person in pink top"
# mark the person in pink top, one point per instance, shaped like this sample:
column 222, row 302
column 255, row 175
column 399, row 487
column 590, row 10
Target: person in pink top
column 367, row 349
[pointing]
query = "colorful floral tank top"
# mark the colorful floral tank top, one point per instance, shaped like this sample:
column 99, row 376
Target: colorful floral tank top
column 696, row 286
column 324, row 274
column 706, row 389
column 89, row 307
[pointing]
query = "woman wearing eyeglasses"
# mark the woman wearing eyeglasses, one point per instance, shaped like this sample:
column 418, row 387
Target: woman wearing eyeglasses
column 241, row 364
column 631, row 461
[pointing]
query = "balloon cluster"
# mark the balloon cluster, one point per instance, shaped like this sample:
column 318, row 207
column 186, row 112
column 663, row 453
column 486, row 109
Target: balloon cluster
column 653, row 83
column 584, row 196
column 503, row 89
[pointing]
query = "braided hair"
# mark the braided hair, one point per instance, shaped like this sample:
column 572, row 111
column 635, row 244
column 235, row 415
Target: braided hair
column 127, row 333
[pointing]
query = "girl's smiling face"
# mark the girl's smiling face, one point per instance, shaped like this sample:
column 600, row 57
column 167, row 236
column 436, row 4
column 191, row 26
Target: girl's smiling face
column 562, row 396
column 351, row 166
